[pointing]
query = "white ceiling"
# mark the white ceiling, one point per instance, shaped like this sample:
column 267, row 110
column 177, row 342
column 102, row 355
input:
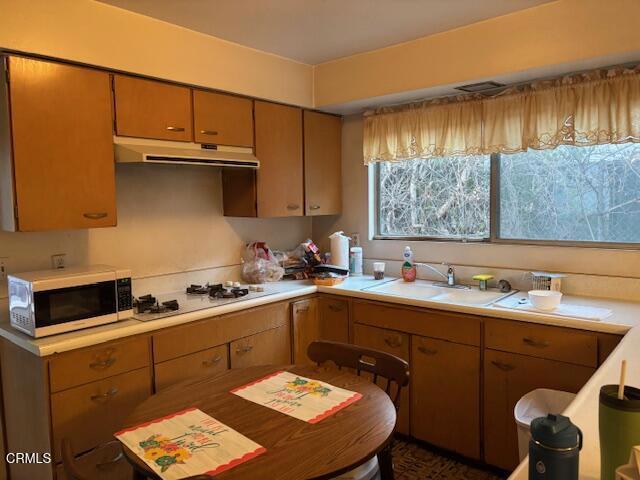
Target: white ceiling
column 316, row 31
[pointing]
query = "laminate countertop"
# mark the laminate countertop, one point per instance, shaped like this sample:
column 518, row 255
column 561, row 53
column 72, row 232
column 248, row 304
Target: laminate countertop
column 625, row 320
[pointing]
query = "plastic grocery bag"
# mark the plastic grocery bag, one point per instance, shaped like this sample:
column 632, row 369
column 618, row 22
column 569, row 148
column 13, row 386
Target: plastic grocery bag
column 260, row 265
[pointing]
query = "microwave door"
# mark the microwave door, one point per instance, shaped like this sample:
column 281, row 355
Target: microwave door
column 70, row 308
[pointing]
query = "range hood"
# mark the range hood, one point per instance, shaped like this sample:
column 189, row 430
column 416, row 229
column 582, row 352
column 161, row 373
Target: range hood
column 138, row 150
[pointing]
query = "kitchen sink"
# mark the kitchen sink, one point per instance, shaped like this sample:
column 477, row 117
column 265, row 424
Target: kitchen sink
column 436, row 292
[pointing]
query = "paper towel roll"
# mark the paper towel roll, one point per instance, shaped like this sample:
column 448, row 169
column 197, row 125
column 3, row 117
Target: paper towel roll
column 339, row 249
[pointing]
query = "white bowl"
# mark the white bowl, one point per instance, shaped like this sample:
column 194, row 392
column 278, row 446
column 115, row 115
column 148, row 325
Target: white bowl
column 545, row 299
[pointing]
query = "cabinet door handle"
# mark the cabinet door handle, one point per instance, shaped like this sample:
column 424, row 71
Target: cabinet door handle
column 535, row 343
column 427, row 351
column 302, row 309
column 505, row 367
column 393, row 342
column 102, row 364
column 208, row 132
column 105, row 396
column 94, row 215
column 293, row 206
column 245, row 349
column 175, row 129
column 335, row 308
column 210, row 363
column 314, row 207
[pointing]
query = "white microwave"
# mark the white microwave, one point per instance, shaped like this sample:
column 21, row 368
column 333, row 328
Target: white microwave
column 48, row 302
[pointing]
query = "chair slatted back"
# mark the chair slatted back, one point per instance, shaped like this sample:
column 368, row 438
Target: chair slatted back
column 379, row 364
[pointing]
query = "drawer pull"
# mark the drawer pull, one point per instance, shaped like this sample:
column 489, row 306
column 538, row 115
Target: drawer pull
column 393, row 342
column 335, row 308
column 243, row 350
column 94, row 215
column 505, row 367
column 175, row 129
column 427, row 351
column 314, row 207
column 293, row 206
column 104, row 396
column 210, row 363
column 535, row 343
column 208, row 132
column 102, row 364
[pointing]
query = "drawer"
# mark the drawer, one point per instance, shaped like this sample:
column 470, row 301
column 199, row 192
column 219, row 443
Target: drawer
column 454, row 327
column 90, row 414
column 208, row 362
column 272, row 347
column 78, row 367
column 554, row 343
column 185, row 339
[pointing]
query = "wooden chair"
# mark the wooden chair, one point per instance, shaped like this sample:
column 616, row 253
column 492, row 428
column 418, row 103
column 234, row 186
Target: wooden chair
column 105, row 462
column 381, row 365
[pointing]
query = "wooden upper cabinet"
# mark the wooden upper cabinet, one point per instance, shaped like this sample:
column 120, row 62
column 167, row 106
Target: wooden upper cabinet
column 150, row 109
column 279, row 149
column 322, row 163
column 222, row 119
column 63, row 160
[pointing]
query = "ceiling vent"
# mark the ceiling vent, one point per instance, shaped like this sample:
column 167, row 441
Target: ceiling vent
column 481, row 87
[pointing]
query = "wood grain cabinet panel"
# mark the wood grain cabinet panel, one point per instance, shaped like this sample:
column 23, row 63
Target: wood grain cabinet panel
column 445, row 395
column 306, row 328
column 95, row 363
column 272, row 347
column 279, row 149
column 208, row 362
column 89, row 415
column 222, row 119
column 507, row 377
column 333, row 314
column 397, row 344
column 555, row 343
column 63, row 160
column 454, row 327
column 322, row 163
column 150, row 109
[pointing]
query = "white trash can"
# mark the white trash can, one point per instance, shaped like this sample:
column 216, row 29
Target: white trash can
column 537, row 403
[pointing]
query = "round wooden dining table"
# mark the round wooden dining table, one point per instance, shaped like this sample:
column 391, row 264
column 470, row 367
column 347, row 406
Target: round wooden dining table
column 296, row 450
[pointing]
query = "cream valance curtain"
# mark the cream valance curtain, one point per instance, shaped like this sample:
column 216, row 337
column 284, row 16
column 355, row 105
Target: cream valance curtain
column 586, row 109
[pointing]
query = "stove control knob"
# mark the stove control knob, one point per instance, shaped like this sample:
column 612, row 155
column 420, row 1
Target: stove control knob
column 253, row 288
column 236, row 284
column 228, row 283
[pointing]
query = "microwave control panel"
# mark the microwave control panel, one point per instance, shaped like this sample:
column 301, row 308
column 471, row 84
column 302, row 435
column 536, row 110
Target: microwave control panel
column 125, row 298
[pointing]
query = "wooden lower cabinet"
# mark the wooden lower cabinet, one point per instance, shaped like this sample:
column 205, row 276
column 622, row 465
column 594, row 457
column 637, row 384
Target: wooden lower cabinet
column 333, row 314
column 509, row 376
column 445, row 395
column 89, row 415
column 207, row 362
column 271, row 347
column 397, row 344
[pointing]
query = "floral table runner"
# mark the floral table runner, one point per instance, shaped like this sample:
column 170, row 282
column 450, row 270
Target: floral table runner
column 188, row 443
column 303, row 398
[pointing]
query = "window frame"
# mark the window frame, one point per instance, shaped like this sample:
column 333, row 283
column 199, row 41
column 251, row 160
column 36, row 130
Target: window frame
column 494, row 221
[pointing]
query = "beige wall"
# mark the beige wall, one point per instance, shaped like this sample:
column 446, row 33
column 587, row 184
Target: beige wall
column 356, row 219
column 169, row 221
column 95, row 33
column 561, row 32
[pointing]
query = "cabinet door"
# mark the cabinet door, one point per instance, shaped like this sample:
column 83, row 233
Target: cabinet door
column 222, row 119
column 208, row 362
column 391, row 342
column 507, row 377
column 279, row 149
column 322, row 163
column 62, row 146
column 333, row 314
column 150, row 109
column 272, row 347
column 306, row 328
column 445, row 395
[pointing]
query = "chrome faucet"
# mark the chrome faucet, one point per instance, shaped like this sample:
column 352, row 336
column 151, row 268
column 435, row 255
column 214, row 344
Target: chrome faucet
column 451, row 276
